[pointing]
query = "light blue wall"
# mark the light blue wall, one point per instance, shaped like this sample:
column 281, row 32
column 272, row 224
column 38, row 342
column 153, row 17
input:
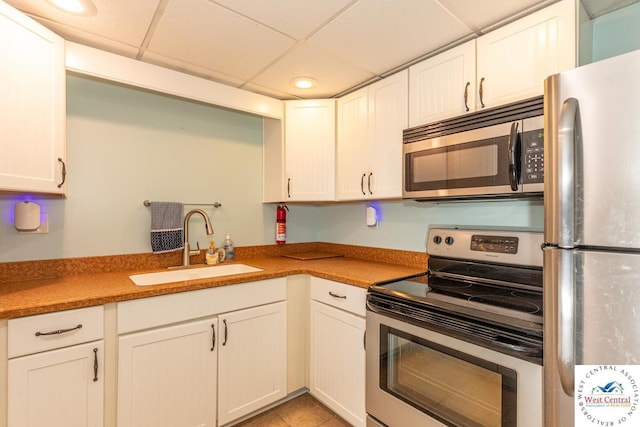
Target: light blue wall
column 126, row 145
column 616, row 33
column 403, row 224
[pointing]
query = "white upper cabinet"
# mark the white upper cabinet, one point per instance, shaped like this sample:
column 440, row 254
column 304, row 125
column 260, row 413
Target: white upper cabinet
column 513, row 61
column 443, row 86
column 370, row 125
column 309, row 150
column 503, row 66
column 32, row 84
column 353, row 135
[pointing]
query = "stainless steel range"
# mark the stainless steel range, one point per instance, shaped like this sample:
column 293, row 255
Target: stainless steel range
column 461, row 344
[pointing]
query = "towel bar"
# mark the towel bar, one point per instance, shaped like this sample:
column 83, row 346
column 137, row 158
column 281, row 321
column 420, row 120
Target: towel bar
column 147, row 203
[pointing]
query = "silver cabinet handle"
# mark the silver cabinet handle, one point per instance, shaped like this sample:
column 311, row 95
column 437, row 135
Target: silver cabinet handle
column 224, row 342
column 466, row 96
column 289, row 187
column 481, row 92
column 369, row 183
column 59, row 331
column 337, row 296
column 95, row 364
column 362, row 183
column 64, row 172
column 213, row 336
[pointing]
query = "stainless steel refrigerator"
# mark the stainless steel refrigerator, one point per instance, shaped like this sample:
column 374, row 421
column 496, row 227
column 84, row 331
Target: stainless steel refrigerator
column 592, row 225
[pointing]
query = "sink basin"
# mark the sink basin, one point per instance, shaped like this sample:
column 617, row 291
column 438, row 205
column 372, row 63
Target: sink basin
column 161, row 277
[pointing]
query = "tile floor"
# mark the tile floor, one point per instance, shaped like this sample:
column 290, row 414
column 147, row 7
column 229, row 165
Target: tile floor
column 302, row 411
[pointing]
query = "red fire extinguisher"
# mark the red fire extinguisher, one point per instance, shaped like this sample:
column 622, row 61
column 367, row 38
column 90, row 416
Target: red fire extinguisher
column 281, row 224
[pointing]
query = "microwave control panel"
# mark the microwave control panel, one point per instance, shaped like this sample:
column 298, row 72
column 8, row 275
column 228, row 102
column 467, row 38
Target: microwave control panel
column 533, row 149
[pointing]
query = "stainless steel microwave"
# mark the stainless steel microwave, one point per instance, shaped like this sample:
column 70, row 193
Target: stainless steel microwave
column 494, row 153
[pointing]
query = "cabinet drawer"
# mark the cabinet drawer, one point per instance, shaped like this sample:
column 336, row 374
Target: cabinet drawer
column 345, row 297
column 152, row 312
column 44, row 332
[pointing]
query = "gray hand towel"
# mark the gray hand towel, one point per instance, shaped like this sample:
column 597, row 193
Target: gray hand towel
column 167, row 233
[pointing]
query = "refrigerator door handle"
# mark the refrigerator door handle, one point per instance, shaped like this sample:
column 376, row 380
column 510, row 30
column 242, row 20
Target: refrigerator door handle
column 566, row 327
column 567, row 134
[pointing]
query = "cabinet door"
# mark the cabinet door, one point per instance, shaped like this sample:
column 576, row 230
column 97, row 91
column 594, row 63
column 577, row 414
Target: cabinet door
column 388, row 116
column 252, row 361
column 437, row 86
column 57, row 388
column 338, row 361
column 32, row 84
column 167, row 376
column 353, row 136
column 310, row 150
column 515, row 60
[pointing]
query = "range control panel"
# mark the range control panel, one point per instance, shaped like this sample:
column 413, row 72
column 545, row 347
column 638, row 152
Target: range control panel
column 505, row 245
column 497, row 244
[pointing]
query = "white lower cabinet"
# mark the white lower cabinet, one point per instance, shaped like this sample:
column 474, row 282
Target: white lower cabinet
column 167, row 376
column 252, row 360
column 57, row 388
column 56, row 377
column 337, row 350
column 202, row 358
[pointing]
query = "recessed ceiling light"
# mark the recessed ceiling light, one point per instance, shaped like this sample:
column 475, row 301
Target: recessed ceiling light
column 304, row 82
column 77, row 7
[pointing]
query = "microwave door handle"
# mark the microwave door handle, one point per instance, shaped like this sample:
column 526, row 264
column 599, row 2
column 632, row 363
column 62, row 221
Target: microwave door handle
column 514, row 156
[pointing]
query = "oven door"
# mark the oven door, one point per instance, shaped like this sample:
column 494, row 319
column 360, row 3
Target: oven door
column 472, row 163
column 418, row 377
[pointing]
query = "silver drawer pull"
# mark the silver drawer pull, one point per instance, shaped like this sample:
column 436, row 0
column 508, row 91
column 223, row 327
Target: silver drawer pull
column 59, row 331
column 337, row 296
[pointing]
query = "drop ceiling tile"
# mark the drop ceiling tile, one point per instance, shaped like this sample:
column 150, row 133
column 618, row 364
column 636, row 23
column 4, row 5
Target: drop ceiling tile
column 481, row 14
column 122, row 21
column 205, row 34
column 333, row 74
column 380, row 35
column 296, row 18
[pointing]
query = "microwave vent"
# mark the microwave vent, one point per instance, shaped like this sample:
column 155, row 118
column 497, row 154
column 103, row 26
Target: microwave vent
column 516, row 111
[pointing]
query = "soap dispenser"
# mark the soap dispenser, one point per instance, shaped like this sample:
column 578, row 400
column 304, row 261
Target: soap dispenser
column 228, row 247
column 212, row 255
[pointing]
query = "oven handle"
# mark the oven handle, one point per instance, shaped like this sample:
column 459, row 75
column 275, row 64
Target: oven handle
column 529, row 351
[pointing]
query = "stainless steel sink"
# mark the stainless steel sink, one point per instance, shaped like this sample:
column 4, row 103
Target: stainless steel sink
column 161, row 277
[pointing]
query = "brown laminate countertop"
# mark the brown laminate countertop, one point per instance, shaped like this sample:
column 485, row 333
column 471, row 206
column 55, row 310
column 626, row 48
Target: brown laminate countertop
column 360, row 268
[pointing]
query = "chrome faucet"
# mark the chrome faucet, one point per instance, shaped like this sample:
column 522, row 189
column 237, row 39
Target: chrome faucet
column 186, row 253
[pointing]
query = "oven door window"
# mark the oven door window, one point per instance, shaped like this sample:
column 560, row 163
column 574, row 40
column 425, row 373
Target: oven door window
column 453, row 387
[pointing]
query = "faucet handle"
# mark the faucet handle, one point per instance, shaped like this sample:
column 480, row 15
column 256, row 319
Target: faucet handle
column 195, row 251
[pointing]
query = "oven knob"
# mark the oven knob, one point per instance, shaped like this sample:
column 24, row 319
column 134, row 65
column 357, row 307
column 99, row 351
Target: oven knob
column 449, row 240
column 437, row 240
